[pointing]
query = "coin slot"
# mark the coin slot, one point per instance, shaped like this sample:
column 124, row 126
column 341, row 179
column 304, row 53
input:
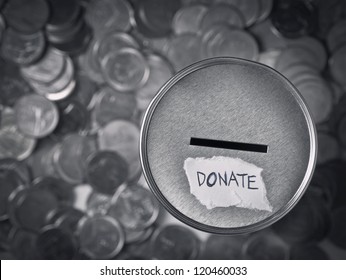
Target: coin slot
column 248, row 147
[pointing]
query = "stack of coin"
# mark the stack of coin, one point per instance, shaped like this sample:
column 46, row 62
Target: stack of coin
column 66, row 28
column 71, row 103
column 52, row 76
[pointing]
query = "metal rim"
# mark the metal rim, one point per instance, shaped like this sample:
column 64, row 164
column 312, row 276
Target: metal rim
column 182, row 217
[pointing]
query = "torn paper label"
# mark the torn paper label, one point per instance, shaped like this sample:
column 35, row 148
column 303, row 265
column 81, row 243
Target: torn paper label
column 224, row 181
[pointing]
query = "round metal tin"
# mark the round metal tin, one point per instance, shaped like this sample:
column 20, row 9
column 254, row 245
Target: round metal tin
column 231, row 100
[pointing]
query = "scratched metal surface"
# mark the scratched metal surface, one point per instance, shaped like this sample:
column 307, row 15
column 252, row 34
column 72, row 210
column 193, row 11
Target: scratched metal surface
column 229, row 100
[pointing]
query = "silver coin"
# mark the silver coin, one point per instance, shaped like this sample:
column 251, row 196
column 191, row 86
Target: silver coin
column 296, row 72
column 98, row 204
column 36, row 116
column 111, row 105
column 187, row 19
column 184, row 50
column 138, row 236
column 22, row 49
column 109, row 14
column 337, row 36
column 223, row 14
column 337, row 65
column 62, row 94
column 101, row 237
column 269, row 57
column 89, row 63
column 318, row 97
column 249, row 8
column 293, row 55
column 221, row 40
column 125, row 70
column 42, row 160
column 267, row 37
column 122, row 137
column 112, row 42
column 59, row 84
column 47, row 69
column 13, row 144
column 314, row 45
column 265, row 7
column 134, row 207
column 70, row 159
column 160, row 72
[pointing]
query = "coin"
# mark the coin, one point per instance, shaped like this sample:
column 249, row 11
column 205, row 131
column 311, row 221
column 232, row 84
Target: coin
column 56, row 244
column 62, row 190
column 107, row 14
column 12, row 85
column 41, row 162
column 36, row 116
column 122, row 137
column 20, row 167
column 70, row 159
column 299, row 71
column 160, row 72
column 101, row 237
column 154, row 17
column 307, row 252
column 14, row 144
column 9, row 182
column 73, row 117
column 106, row 171
column 222, row 40
column 22, row 49
column 183, row 50
column 314, row 46
column 111, row 105
column 84, row 91
column 26, row 17
column 188, row 19
column 64, row 93
column 174, row 242
column 336, row 36
column 68, row 218
column 269, row 58
column 138, row 236
column 267, row 37
column 265, row 8
column 98, row 203
column 113, row 41
column 30, row 209
column 265, row 246
column 64, row 14
column 47, row 69
column 125, row 70
column 318, row 97
column 23, row 244
column 337, row 65
column 54, row 88
column 219, row 247
column 328, row 148
column 134, row 207
column 250, row 9
column 294, row 18
column 297, row 54
column 223, row 14
column 89, row 63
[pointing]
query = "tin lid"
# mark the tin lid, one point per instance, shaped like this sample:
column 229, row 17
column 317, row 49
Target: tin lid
column 249, row 113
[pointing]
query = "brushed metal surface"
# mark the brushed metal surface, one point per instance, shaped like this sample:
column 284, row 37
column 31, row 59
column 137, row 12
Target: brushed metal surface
column 233, row 100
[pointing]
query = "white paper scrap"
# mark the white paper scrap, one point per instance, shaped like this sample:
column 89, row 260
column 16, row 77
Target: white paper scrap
column 224, row 181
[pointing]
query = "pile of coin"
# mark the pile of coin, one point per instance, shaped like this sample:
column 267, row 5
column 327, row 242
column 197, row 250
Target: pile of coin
column 75, row 80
